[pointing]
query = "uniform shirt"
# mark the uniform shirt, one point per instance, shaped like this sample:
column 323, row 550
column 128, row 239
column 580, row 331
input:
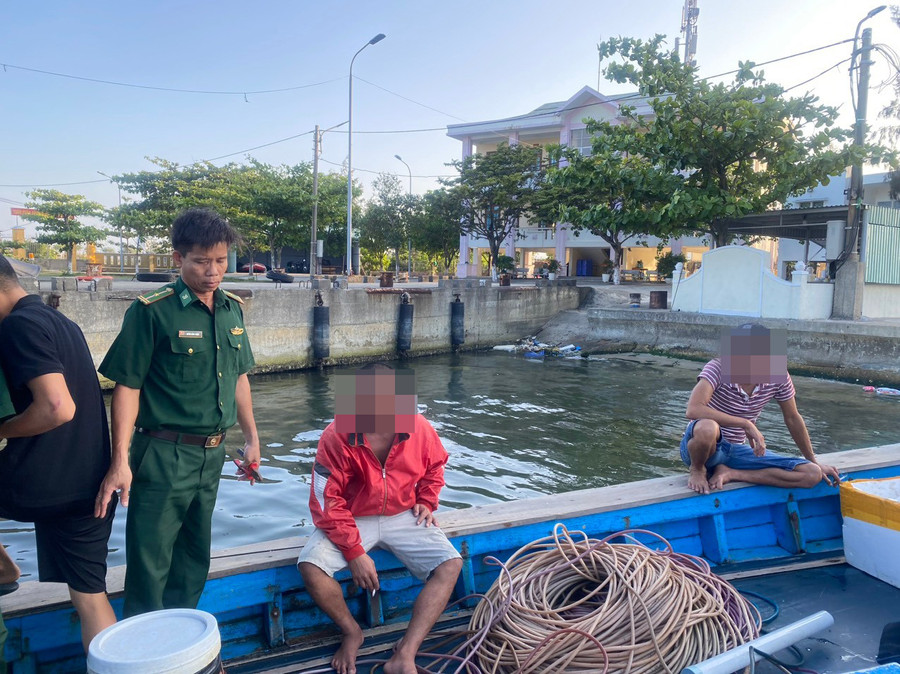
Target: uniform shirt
column 184, row 359
column 6, row 406
column 732, row 399
column 65, row 465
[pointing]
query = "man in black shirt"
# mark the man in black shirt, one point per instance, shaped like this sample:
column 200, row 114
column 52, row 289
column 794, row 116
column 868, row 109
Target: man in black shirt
column 58, row 450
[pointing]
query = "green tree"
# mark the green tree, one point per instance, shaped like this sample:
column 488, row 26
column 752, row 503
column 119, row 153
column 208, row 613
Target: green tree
column 436, row 226
column 383, row 224
column 739, row 147
column 889, row 134
column 58, row 216
column 612, row 195
column 496, row 190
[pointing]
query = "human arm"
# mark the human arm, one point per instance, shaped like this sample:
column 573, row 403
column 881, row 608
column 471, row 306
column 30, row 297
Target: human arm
column 429, row 486
column 51, row 406
column 797, row 428
column 698, row 408
column 244, row 401
column 124, row 411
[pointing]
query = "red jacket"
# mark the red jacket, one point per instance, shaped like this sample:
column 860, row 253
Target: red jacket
column 349, row 481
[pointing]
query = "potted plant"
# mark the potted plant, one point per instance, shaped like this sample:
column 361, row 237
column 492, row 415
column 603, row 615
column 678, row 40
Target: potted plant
column 553, row 266
column 506, row 265
column 606, row 268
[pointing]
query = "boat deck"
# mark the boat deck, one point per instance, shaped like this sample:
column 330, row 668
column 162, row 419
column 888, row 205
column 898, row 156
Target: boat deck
column 861, row 606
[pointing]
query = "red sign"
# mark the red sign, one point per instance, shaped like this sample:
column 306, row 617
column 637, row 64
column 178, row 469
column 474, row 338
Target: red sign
column 23, row 211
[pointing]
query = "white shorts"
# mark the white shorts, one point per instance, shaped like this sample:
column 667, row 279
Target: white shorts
column 419, row 548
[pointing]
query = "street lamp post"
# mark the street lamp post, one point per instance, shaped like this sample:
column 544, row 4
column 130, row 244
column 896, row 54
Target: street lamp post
column 121, row 246
column 408, row 234
column 317, row 150
column 349, row 262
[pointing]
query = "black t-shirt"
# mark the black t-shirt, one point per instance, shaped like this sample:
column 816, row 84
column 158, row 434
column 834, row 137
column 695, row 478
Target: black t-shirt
column 66, row 465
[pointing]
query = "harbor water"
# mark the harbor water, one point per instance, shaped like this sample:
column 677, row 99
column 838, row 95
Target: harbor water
column 514, row 428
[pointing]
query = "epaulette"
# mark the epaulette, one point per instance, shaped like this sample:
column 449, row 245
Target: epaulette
column 236, row 298
column 156, row 295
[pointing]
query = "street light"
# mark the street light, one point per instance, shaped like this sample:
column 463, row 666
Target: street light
column 121, row 247
column 349, row 262
column 408, row 234
column 313, row 248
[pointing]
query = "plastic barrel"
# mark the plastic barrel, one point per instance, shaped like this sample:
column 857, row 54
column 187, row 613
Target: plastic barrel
column 405, row 328
column 659, row 299
column 457, row 323
column 321, row 333
column 173, row 641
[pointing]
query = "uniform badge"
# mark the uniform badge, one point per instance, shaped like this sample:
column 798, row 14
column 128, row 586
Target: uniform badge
column 190, row 334
column 237, row 331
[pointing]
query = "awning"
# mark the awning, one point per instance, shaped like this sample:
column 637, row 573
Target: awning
column 795, row 223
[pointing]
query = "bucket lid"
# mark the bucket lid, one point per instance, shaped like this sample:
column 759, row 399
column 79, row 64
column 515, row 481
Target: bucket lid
column 179, row 640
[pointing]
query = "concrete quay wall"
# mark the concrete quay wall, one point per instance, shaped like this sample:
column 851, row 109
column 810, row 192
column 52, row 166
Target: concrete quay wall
column 848, row 350
column 363, row 324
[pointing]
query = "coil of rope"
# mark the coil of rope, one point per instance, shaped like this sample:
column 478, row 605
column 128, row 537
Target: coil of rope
column 569, row 603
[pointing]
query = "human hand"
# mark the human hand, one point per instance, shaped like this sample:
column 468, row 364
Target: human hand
column 364, row 574
column 830, row 474
column 423, row 514
column 755, row 439
column 248, row 467
column 118, row 478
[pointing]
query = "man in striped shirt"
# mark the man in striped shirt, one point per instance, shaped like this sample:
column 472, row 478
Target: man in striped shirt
column 722, row 444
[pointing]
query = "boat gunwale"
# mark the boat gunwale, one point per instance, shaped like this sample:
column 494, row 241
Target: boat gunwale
column 35, row 597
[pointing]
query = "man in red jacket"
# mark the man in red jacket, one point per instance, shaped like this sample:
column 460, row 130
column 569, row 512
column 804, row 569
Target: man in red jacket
column 375, row 483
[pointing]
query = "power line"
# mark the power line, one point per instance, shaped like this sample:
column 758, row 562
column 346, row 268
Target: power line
column 172, row 89
column 398, row 175
column 257, row 147
column 394, row 93
column 781, row 58
column 82, row 182
column 815, row 77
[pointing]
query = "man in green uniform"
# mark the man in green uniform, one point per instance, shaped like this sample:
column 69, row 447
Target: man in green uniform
column 180, row 365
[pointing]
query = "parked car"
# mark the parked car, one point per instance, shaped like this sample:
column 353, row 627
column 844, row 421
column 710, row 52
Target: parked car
column 258, row 267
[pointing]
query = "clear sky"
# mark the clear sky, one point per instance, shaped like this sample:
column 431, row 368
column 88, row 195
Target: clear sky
column 456, row 61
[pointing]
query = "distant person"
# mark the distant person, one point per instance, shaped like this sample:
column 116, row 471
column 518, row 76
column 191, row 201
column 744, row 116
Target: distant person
column 57, row 450
column 722, row 443
column 375, row 483
column 180, row 365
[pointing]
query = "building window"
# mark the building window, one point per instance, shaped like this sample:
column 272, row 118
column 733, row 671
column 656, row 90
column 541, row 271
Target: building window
column 889, row 204
column 581, row 140
column 810, row 204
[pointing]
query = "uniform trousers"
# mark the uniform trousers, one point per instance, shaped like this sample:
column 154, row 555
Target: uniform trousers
column 168, row 530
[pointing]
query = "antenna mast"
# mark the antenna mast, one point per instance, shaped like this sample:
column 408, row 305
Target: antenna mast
column 689, row 16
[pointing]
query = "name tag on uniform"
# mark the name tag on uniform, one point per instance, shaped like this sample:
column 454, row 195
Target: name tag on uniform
column 190, row 334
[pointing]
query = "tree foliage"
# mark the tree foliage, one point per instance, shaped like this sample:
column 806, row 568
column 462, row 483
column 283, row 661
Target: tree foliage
column 496, row 190
column 739, row 147
column 59, row 221
column 384, row 224
column 889, row 134
column 436, row 226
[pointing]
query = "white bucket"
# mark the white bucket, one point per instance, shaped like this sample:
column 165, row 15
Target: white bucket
column 173, row 641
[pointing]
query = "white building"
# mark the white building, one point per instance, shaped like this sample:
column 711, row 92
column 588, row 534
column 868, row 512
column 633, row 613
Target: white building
column 560, row 123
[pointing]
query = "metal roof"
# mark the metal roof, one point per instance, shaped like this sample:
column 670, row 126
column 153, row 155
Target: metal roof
column 792, row 223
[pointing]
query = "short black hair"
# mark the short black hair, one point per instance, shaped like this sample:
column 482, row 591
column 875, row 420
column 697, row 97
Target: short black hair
column 203, row 228
column 8, row 276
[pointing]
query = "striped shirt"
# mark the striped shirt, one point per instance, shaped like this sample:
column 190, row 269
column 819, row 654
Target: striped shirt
column 732, row 399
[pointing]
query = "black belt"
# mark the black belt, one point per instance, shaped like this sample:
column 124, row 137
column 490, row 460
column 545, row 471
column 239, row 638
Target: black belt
column 207, row 441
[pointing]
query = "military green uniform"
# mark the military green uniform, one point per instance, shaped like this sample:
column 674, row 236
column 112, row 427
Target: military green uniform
column 186, row 361
column 6, row 410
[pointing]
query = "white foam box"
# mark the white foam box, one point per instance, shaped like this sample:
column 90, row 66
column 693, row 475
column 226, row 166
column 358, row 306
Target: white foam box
column 871, row 511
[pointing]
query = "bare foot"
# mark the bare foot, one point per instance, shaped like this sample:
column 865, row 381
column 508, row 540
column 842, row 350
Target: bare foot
column 344, row 661
column 697, row 481
column 720, row 477
column 400, row 664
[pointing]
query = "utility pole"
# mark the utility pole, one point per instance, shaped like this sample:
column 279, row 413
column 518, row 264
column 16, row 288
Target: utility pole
column 313, row 257
column 689, row 16
column 855, row 196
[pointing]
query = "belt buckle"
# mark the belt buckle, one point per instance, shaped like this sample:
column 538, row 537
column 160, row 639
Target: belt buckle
column 213, row 441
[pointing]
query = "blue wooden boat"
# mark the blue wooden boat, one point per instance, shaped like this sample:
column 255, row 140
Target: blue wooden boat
column 783, row 541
